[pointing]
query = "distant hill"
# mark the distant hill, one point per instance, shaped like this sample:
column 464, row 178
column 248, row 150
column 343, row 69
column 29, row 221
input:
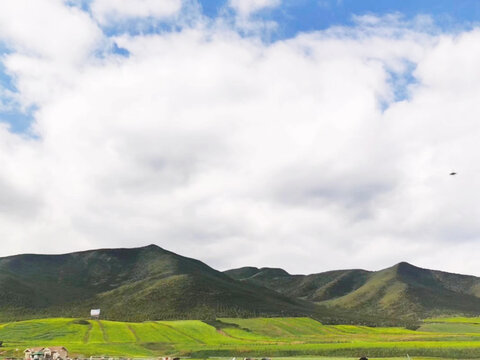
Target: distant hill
column 151, row 283
column 131, row 284
column 401, row 291
column 315, row 287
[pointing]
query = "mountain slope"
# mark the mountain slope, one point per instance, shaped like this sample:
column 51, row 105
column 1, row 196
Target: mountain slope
column 411, row 291
column 315, row 287
column 151, row 283
column 130, row 284
column 402, row 291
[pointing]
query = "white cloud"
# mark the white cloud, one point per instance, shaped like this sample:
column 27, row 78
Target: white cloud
column 110, row 11
column 247, row 7
column 240, row 152
column 48, row 44
column 48, row 29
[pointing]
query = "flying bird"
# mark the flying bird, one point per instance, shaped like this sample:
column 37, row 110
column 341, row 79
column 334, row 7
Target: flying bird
column 453, row 173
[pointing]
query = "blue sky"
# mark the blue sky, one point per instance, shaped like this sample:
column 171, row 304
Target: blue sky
column 294, row 16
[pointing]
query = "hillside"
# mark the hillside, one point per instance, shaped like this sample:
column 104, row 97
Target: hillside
column 411, row 291
column 130, row 284
column 151, row 283
column 401, row 291
column 315, row 287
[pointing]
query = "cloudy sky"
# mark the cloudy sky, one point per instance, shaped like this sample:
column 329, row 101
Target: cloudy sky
column 309, row 135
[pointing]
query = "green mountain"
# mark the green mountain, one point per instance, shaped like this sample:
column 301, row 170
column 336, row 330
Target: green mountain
column 131, row 284
column 403, row 291
column 151, row 283
column 315, row 287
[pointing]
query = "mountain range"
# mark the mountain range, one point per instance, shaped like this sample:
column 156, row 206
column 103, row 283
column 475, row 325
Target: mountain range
column 151, row 283
column 401, row 291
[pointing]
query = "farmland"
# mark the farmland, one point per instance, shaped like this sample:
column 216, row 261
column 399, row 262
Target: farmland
column 273, row 337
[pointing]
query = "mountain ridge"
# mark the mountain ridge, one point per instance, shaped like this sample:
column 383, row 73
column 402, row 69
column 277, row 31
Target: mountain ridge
column 130, row 284
column 402, row 290
column 152, row 283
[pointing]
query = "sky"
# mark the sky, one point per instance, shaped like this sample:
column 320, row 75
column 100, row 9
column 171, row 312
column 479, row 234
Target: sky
column 310, row 135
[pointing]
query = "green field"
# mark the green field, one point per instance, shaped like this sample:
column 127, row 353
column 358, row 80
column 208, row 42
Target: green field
column 260, row 337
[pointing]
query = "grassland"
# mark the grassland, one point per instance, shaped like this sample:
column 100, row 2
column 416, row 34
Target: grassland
column 272, row 337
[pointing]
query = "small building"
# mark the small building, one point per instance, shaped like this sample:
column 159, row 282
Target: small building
column 33, row 352
column 95, row 314
column 56, row 353
column 46, row 353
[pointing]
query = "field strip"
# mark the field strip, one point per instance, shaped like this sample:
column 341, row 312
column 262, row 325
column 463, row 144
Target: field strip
column 257, row 341
column 132, row 330
column 86, row 338
column 180, row 332
column 105, row 335
column 223, row 333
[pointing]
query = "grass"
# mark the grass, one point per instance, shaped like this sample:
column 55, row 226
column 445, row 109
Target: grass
column 453, row 328
column 118, row 332
column 261, row 337
column 456, row 320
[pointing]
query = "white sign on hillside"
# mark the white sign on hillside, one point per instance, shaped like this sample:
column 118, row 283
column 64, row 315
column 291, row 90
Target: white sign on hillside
column 95, row 313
